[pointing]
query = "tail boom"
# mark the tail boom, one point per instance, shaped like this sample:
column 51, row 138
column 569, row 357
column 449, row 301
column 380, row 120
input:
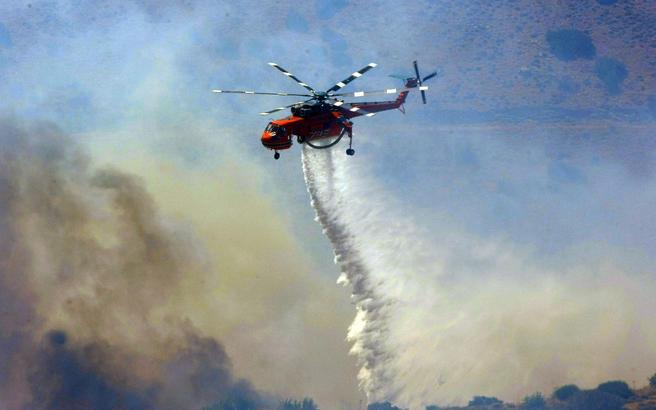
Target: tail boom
column 364, row 108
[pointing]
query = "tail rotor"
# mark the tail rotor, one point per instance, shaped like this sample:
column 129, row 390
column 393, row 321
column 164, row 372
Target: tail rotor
column 420, row 81
column 416, row 81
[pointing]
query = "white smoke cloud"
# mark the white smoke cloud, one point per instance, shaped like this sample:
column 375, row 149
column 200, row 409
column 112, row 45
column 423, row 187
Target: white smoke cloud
column 445, row 315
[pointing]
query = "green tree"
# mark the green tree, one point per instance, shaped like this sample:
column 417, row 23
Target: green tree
column 563, row 393
column 483, row 401
column 595, row 399
column 233, row 404
column 306, row 404
column 382, row 406
column 617, row 388
column 534, row 401
column 652, row 380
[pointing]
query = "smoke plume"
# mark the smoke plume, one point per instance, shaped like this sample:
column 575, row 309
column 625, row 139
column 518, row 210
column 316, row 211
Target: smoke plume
column 87, row 269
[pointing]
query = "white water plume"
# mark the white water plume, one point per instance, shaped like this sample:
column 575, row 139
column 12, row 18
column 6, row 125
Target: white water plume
column 369, row 268
column 444, row 315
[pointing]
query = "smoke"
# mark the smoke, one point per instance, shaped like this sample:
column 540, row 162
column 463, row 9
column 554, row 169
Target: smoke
column 87, row 271
column 445, row 314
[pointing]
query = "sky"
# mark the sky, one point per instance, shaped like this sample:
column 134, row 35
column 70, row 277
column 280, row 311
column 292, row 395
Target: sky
column 524, row 186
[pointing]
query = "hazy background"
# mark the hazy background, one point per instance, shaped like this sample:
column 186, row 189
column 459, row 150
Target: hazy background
column 521, row 198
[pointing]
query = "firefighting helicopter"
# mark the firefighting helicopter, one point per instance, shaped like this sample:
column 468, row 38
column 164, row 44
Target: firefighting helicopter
column 323, row 119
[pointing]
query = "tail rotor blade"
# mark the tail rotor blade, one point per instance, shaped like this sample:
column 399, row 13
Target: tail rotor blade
column 431, row 75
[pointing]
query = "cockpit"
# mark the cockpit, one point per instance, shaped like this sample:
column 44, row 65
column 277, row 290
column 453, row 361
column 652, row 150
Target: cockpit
column 276, row 137
column 275, row 130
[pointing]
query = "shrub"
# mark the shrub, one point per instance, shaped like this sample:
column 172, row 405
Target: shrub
column 232, row 405
column 595, row 399
column 306, row 404
column 617, row 388
column 651, row 106
column 432, row 407
column 570, row 45
column 235, row 403
column 382, row 406
column 484, row 401
column 534, row 401
column 565, row 392
column 612, row 73
column 652, row 380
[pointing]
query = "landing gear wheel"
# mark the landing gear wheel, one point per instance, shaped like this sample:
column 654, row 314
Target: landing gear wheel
column 276, row 155
column 350, row 151
column 300, row 139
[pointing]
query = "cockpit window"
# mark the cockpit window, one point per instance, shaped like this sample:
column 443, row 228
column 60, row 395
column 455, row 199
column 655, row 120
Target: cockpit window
column 275, row 129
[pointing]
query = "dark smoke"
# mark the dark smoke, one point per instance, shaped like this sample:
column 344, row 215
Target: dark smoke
column 87, row 271
column 65, row 377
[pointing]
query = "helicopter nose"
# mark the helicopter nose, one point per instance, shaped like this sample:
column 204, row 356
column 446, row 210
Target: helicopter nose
column 266, row 138
column 275, row 141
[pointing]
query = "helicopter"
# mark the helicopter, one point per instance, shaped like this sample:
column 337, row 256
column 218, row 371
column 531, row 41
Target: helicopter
column 324, row 118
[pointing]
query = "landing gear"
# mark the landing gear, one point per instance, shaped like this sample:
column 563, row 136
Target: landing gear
column 350, row 151
column 276, row 155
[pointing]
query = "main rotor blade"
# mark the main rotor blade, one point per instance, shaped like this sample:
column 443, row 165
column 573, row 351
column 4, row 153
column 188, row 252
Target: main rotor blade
column 414, row 63
column 367, row 93
column 423, row 96
column 398, row 76
column 283, row 108
column 352, row 77
column 258, row 93
column 431, row 75
column 290, row 75
column 353, row 108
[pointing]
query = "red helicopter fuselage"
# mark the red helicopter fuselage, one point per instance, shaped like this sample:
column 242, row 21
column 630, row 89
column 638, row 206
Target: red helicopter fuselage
column 278, row 133
column 327, row 124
